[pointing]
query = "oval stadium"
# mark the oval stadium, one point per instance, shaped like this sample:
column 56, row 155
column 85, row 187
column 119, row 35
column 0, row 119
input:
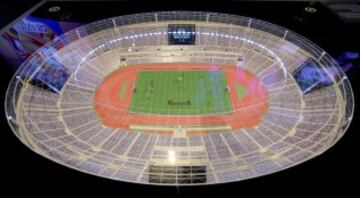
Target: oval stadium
column 179, row 98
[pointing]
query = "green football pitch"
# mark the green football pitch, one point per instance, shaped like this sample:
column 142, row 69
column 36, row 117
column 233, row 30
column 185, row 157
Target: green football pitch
column 180, row 93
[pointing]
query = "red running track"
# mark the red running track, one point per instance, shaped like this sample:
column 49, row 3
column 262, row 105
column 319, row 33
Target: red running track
column 247, row 112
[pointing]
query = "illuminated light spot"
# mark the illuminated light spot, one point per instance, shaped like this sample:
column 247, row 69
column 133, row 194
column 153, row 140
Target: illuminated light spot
column 263, row 150
column 54, row 9
column 171, row 156
column 310, row 9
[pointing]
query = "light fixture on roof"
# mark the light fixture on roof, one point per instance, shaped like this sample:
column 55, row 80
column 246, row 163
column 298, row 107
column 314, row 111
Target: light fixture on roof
column 54, row 9
column 310, row 9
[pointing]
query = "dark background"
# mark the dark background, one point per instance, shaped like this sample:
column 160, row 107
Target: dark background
column 335, row 171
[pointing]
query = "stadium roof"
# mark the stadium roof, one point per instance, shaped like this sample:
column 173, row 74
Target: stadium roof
column 50, row 103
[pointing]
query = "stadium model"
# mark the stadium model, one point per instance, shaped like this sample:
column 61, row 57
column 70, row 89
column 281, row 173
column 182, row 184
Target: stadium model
column 179, row 98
